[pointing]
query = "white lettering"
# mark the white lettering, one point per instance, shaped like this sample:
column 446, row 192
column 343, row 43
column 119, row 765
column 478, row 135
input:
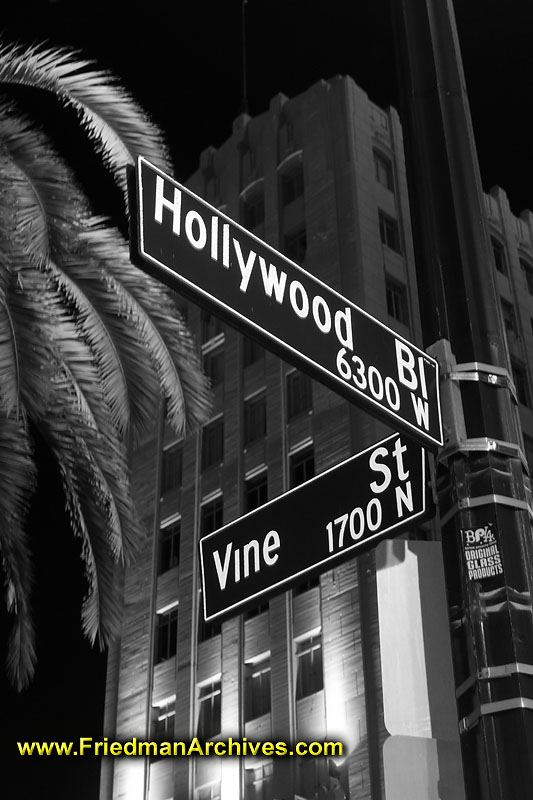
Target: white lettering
column 245, row 268
column 254, row 547
column 270, row 544
column 272, row 281
column 303, row 309
column 405, row 361
column 421, row 408
column 323, row 325
column 198, row 242
column 222, row 571
column 399, row 450
column 172, row 205
column 405, row 498
column 376, row 487
column 343, row 328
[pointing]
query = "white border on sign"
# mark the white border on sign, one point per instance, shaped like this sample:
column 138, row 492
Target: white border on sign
column 266, row 334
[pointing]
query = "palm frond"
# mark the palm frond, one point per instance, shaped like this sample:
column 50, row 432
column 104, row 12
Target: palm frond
column 152, row 308
column 108, row 113
column 17, row 484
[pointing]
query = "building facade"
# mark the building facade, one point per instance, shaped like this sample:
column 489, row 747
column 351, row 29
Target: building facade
column 320, row 177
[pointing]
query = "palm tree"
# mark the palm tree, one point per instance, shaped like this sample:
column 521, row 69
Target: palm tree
column 88, row 342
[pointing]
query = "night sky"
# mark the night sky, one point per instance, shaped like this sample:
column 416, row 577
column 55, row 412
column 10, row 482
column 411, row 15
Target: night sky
column 186, row 70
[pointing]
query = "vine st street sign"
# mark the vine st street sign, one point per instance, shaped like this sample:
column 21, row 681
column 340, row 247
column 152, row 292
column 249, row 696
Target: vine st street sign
column 314, row 525
column 198, row 251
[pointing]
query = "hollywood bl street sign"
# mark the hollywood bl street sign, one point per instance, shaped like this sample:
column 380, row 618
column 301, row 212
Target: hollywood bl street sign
column 342, row 511
column 198, row 251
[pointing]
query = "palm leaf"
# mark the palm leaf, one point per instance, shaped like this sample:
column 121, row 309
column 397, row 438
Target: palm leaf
column 108, row 113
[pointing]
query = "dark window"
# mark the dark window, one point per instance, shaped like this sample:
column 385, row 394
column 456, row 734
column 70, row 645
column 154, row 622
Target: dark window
column 166, row 635
column 258, row 782
column 254, row 418
column 212, row 515
column 509, row 316
column 309, row 671
column 214, row 365
column 251, row 352
column 301, row 466
column 253, row 211
column 172, row 466
column 527, row 269
column 299, row 394
column 389, row 231
column 163, row 724
column 397, row 305
column 255, row 491
column 213, row 443
column 257, row 689
column 295, row 245
column 383, row 170
column 209, row 792
column 211, row 326
column 292, row 185
column 306, row 585
column 169, row 546
column 521, row 383
column 254, row 611
column 206, row 630
column 209, row 716
column 500, row 258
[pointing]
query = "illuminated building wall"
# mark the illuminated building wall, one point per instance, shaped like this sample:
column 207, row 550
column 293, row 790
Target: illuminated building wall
column 320, row 177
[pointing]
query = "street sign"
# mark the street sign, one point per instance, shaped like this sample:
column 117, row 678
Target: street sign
column 200, row 252
column 333, row 516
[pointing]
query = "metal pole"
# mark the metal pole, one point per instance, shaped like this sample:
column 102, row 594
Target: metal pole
column 482, row 482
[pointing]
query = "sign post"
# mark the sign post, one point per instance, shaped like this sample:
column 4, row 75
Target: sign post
column 314, row 525
column 198, row 251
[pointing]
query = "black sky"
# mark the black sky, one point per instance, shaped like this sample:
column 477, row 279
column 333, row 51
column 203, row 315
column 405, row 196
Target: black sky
column 185, row 68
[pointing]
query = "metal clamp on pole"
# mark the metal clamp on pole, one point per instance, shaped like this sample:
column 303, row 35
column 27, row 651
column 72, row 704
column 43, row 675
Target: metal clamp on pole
column 486, row 373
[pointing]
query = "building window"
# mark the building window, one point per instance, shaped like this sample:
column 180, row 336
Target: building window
column 172, row 466
column 212, row 515
column 213, row 443
column 305, row 585
column 309, row 676
column 257, row 689
column 519, row 373
column 253, row 211
column 206, row 630
column 255, row 418
column 527, row 269
column 211, row 326
column 389, row 231
column 509, row 317
column 292, row 185
column 258, row 782
column 164, row 718
column 255, row 491
column 209, row 711
column 254, row 611
column 295, row 245
column 166, row 635
column 301, row 466
column 299, row 394
column 169, row 546
column 383, row 170
column 397, row 304
column 210, row 791
column 500, row 259
column 213, row 363
column 251, row 352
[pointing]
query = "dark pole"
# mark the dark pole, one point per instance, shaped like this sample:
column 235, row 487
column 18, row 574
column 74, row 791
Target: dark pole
column 481, row 474
column 244, row 101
